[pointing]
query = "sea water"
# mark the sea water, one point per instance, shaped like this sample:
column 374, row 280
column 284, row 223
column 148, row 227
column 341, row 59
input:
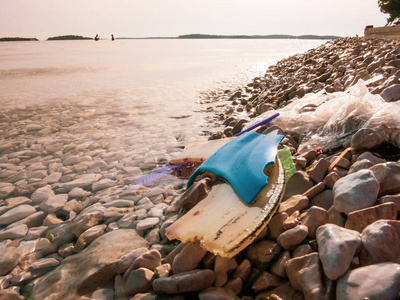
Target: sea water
column 157, row 84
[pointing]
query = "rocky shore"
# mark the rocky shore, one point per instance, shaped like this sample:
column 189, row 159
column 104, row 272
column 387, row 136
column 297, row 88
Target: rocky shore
column 74, row 225
column 333, row 67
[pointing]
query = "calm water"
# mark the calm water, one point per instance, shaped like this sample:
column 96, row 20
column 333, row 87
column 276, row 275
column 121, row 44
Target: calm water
column 156, row 81
column 168, row 72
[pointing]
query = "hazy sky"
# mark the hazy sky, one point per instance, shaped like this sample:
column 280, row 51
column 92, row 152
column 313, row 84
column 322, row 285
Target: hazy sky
column 140, row 18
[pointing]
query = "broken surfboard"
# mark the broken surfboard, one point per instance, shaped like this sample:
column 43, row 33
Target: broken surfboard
column 223, row 223
column 199, row 151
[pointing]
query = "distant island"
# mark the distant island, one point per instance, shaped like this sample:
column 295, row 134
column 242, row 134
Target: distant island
column 16, row 39
column 146, row 38
column 214, row 36
column 68, row 37
column 271, row 36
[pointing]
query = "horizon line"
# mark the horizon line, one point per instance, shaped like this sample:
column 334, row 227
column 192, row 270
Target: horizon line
column 202, row 36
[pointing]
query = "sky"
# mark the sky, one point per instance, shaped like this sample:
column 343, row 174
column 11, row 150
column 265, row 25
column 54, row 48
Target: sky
column 166, row 18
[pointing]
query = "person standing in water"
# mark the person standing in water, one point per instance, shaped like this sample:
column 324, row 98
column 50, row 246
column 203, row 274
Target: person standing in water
column 112, row 37
column 96, row 38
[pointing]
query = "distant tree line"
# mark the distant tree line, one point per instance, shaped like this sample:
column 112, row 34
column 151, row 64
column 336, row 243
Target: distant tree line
column 391, row 7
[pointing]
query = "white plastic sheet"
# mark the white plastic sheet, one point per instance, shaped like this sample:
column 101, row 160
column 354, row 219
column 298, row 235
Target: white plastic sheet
column 330, row 120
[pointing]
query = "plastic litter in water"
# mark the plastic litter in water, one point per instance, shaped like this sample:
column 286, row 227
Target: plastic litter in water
column 336, row 117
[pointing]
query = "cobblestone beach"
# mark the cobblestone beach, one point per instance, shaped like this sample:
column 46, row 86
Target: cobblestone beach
column 74, row 225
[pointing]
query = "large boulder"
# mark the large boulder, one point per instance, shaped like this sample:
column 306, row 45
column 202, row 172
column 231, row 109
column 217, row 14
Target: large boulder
column 388, row 176
column 355, row 191
column 380, row 281
column 337, row 247
column 80, row 275
column 381, row 243
column 306, row 274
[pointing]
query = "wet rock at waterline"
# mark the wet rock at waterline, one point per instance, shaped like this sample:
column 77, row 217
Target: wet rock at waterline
column 94, row 266
column 190, row 281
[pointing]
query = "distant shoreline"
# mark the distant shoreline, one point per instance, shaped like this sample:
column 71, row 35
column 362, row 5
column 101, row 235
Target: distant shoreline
column 186, row 36
column 271, row 36
column 17, row 39
column 213, row 36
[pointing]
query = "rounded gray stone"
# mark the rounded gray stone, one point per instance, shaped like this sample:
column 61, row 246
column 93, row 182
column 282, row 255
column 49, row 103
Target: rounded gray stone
column 292, row 237
column 9, row 257
column 17, row 213
column 15, row 232
column 54, row 203
column 147, row 223
column 103, row 184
